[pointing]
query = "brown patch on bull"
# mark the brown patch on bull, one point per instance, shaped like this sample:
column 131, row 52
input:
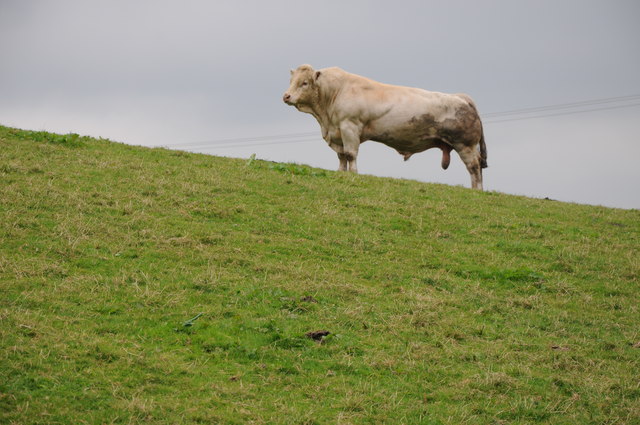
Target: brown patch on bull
column 424, row 132
column 464, row 129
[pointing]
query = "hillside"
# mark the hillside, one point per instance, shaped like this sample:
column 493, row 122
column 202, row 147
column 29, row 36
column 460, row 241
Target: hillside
column 443, row 305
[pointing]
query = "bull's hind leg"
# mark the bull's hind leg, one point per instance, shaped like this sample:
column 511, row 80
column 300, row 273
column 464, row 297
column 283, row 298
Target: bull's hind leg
column 471, row 158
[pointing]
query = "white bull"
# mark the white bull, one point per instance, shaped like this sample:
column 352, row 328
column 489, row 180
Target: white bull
column 352, row 109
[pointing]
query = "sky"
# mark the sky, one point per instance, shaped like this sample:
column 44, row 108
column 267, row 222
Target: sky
column 169, row 73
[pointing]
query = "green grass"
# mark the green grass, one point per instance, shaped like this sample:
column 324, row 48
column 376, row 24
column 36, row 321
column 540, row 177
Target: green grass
column 444, row 305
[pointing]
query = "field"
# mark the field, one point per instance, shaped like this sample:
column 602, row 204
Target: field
column 442, row 305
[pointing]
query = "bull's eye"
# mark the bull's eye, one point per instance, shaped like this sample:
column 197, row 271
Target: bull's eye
column 305, row 84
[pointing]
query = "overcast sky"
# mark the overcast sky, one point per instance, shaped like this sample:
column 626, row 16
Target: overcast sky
column 172, row 72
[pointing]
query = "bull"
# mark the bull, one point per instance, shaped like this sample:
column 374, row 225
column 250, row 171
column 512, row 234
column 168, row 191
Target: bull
column 352, row 109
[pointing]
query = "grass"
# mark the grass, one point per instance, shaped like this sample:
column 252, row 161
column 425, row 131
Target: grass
column 443, row 305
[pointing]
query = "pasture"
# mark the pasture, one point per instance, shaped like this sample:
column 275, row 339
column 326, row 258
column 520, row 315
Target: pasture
column 443, row 305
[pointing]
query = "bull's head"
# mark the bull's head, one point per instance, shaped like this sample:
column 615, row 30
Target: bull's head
column 303, row 90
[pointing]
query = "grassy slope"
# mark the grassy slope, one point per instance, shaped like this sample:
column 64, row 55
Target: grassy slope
column 445, row 305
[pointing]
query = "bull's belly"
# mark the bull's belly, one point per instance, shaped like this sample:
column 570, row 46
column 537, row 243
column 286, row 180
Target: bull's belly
column 409, row 138
column 411, row 147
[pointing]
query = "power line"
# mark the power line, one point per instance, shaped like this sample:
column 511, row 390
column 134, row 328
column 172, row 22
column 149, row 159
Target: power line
column 258, row 144
column 562, row 106
column 561, row 113
column 305, row 137
column 241, row 139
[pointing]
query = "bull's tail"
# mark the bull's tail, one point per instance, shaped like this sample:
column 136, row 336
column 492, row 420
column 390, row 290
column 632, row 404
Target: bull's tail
column 483, row 151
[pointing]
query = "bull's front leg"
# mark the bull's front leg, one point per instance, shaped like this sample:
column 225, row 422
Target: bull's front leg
column 350, row 133
column 343, row 162
column 341, row 156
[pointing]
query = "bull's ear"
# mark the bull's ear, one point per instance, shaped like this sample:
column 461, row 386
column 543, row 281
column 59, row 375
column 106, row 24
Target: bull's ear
column 316, row 76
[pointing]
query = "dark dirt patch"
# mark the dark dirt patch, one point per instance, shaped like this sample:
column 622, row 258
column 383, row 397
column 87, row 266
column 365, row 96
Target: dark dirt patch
column 317, row 335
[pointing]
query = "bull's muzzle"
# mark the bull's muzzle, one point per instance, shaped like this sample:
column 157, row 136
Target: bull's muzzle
column 287, row 98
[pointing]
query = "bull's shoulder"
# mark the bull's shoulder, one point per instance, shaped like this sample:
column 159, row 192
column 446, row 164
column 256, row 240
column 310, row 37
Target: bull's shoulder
column 333, row 70
column 331, row 80
column 333, row 73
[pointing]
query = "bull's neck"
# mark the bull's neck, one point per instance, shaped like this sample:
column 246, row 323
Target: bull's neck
column 320, row 115
column 321, row 109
